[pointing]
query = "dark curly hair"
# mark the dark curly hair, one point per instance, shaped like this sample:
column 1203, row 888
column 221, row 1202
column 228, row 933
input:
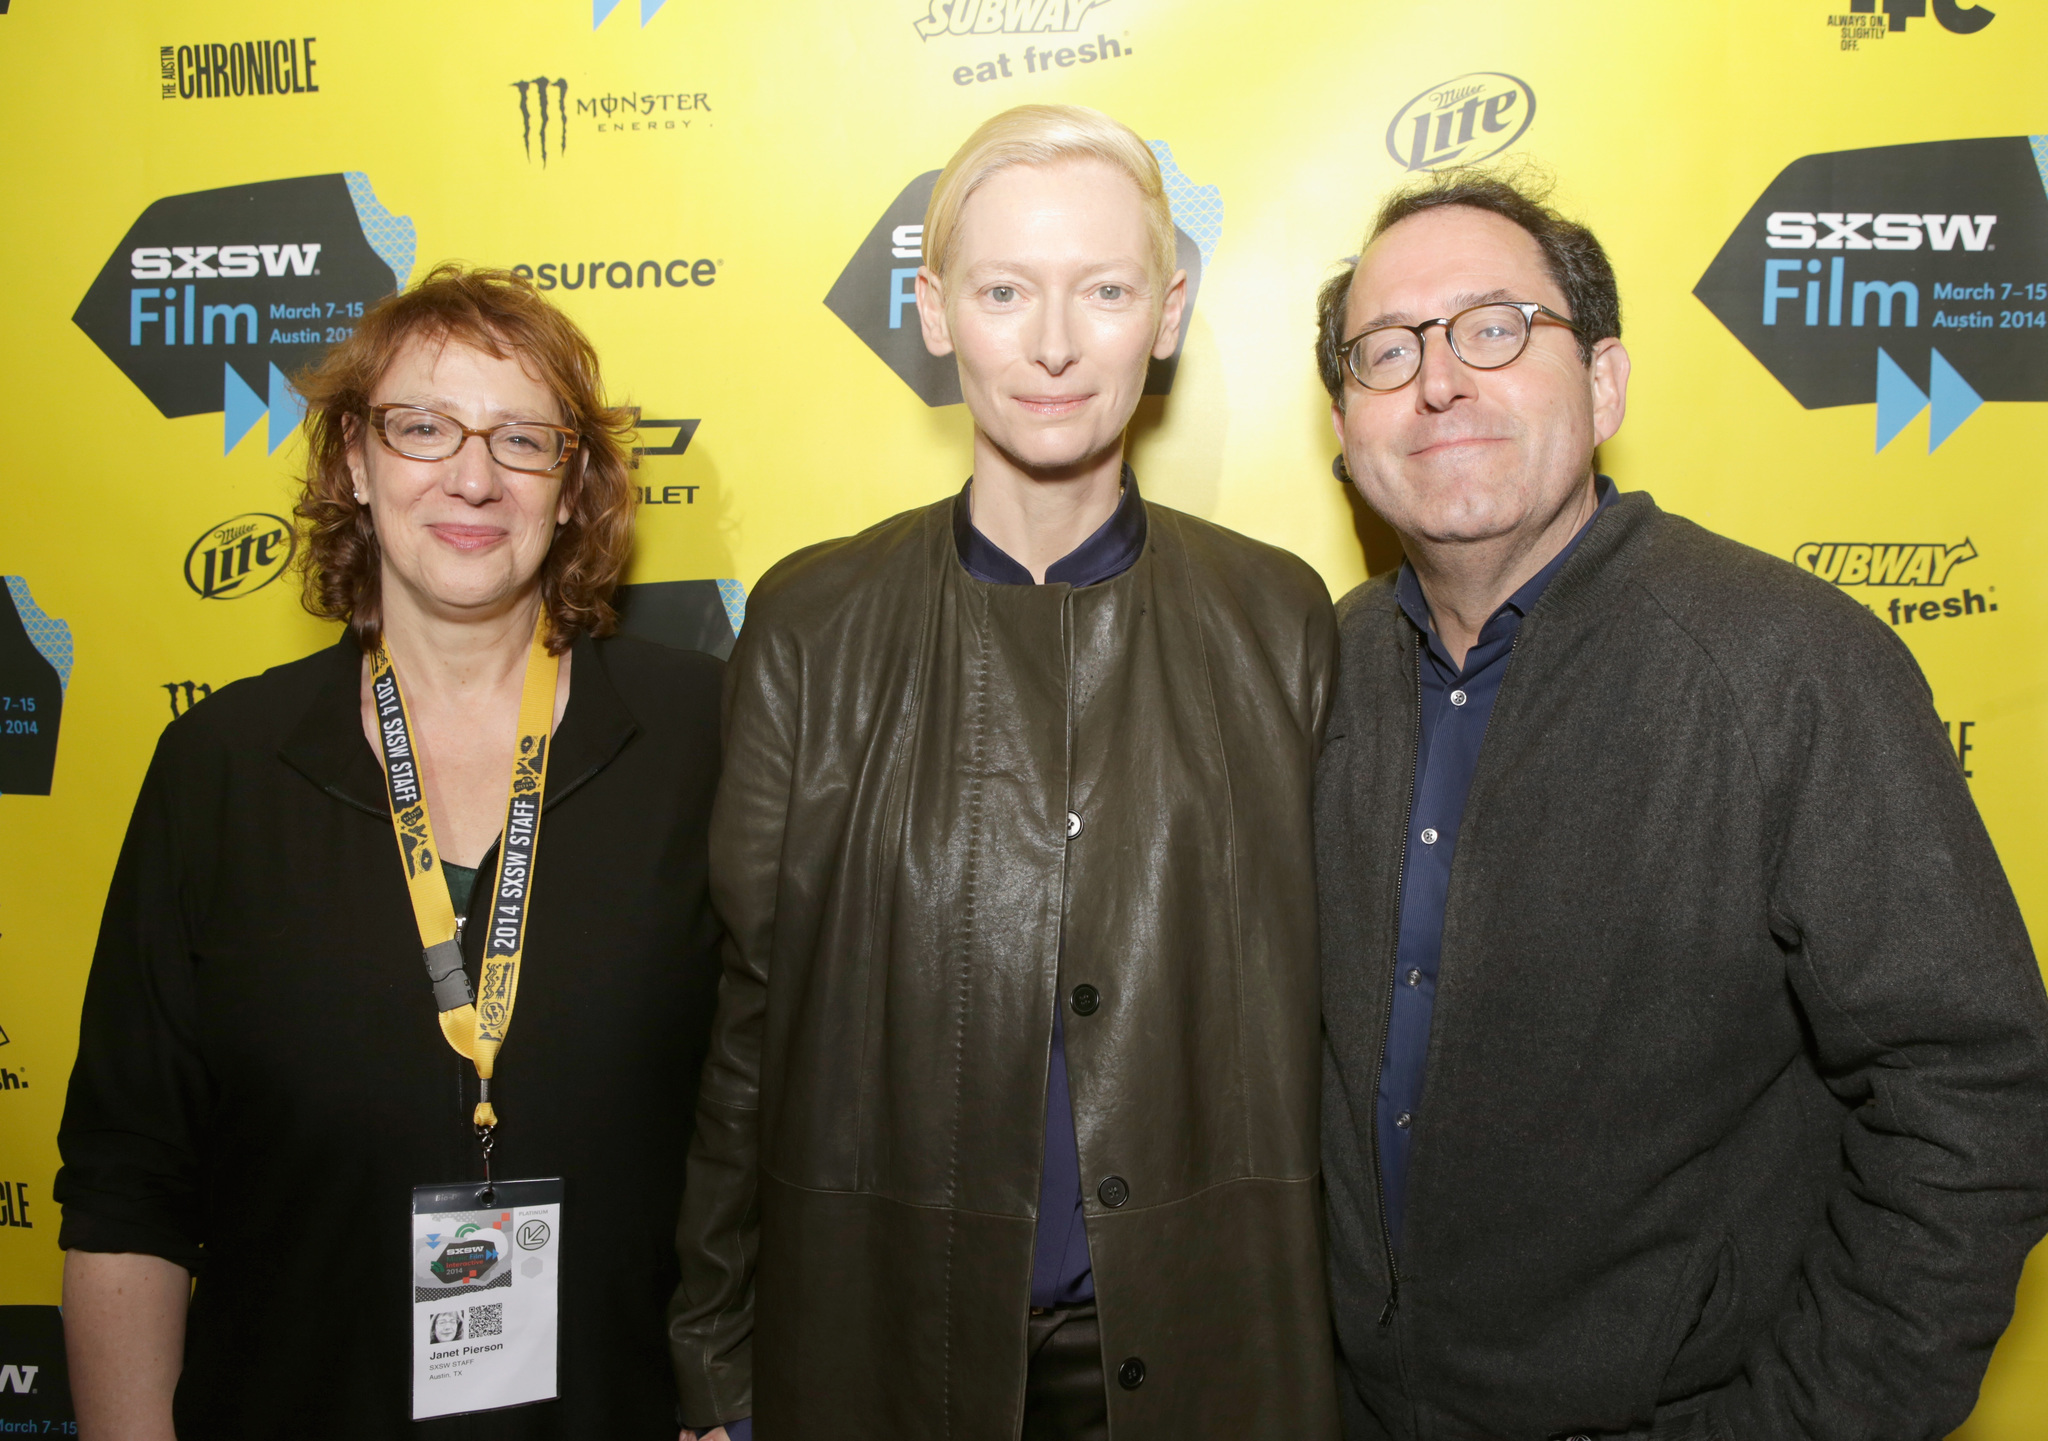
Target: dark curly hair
column 1573, row 257
column 499, row 314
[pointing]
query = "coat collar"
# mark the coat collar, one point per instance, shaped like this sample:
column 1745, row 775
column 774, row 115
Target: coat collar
column 1604, row 554
column 327, row 745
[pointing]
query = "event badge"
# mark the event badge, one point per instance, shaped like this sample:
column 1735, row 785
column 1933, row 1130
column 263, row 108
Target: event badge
column 486, row 1295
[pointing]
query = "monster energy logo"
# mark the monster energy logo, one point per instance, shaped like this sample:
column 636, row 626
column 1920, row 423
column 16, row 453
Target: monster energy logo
column 539, row 87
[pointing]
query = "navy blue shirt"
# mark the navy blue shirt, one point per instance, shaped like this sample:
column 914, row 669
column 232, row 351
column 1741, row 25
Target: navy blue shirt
column 1456, row 705
column 1061, row 1274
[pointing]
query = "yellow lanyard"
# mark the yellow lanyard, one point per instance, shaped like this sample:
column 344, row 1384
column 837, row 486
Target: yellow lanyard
column 474, row 1027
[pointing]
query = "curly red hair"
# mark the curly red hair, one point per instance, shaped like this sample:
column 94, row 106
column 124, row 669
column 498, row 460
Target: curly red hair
column 499, row 314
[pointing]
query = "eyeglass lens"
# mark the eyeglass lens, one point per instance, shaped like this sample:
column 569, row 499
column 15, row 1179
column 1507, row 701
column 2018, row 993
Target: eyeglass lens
column 424, row 435
column 1485, row 337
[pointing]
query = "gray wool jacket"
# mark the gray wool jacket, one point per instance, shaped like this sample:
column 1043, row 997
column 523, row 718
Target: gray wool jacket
column 1736, row 1120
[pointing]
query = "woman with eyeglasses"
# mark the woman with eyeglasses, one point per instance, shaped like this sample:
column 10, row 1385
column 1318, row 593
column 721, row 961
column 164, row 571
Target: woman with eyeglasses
column 407, row 970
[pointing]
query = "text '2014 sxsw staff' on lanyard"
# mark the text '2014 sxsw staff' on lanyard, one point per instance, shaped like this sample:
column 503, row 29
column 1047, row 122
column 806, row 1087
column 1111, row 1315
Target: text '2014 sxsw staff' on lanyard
column 474, row 1026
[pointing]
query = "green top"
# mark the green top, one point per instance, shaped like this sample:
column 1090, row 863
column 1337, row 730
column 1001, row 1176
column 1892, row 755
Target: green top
column 461, row 885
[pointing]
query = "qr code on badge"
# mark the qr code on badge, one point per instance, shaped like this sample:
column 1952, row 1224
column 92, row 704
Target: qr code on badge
column 487, row 1320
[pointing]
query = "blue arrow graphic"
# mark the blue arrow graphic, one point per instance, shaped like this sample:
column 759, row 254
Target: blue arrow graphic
column 1954, row 401
column 1898, row 399
column 287, row 409
column 241, row 407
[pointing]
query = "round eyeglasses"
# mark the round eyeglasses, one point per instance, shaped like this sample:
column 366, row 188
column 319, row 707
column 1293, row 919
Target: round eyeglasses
column 1485, row 337
column 527, row 445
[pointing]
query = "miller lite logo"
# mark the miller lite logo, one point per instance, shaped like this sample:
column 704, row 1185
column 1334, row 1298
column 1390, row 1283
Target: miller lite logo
column 239, row 557
column 1461, row 121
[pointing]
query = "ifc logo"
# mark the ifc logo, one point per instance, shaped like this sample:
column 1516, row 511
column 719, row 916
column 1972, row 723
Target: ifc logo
column 239, row 557
column 1461, row 121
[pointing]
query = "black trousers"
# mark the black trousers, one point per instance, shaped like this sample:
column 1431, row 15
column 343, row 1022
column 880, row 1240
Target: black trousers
column 1064, row 1399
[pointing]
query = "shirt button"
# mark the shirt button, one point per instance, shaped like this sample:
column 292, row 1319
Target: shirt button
column 1113, row 1192
column 1073, row 825
column 1429, row 835
column 1404, row 1121
column 1458, row 697
column 1414, row 975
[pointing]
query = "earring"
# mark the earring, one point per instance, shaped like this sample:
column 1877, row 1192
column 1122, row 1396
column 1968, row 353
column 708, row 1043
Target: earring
column 1342, row 471
column 362, row 499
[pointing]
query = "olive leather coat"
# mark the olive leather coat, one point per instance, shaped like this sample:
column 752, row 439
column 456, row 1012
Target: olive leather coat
column 946, row 804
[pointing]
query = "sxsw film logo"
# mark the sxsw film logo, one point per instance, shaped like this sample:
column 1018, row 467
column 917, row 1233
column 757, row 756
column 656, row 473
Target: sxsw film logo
column 1872, row 20
column 1004, row 17
column 35, row 671
column 1461, row 121
column 1912, row 275
column 239, row 557
column 876, row 293
column 212, row 299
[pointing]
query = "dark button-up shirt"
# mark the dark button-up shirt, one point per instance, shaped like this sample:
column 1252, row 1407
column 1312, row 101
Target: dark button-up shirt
column 1060, row 1271
column 1456, row 704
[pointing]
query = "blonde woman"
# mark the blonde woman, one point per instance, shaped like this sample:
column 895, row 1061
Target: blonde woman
column 1009, row 1126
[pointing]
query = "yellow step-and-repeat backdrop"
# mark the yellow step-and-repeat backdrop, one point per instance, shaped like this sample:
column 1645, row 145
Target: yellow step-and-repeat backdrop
column 1830, row 219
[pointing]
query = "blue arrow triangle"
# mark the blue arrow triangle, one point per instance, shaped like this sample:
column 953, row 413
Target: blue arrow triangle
column 647, row 9
column 1954, row 400
column 599, row 9
column 287, row 409
column 1898, row 399
column 241, row 406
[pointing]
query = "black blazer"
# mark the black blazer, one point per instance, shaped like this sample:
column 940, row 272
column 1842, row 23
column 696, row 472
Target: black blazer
column 261, row 1081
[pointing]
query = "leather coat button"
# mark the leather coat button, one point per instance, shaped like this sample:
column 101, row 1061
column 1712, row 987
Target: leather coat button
column 1073, row 825
column 1131, row 1375
column 1086, row 999
column 1113, row 1191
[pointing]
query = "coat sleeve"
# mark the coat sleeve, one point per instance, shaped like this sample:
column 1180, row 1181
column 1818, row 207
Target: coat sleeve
column 132, row 1134
column 1320, row 666
column 711, row 1318
column 1906, row 954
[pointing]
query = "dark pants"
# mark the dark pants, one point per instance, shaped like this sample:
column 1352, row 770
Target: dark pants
column 1064, row 1399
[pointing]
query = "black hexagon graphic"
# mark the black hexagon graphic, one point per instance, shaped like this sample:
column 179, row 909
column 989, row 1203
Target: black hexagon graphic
column 1916, row 267
column 210, row 294
column 876, row 298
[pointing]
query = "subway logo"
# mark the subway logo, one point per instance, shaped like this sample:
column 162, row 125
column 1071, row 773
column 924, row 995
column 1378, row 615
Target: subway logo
column 1877, row 563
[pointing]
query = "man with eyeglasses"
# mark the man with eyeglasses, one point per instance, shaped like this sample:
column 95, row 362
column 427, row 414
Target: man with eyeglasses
column 1686, row 1063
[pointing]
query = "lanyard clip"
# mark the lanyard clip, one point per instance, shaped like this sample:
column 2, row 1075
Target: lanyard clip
column 486, row 1138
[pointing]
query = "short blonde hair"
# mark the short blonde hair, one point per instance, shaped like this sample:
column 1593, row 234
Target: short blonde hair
column 1043, row 135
